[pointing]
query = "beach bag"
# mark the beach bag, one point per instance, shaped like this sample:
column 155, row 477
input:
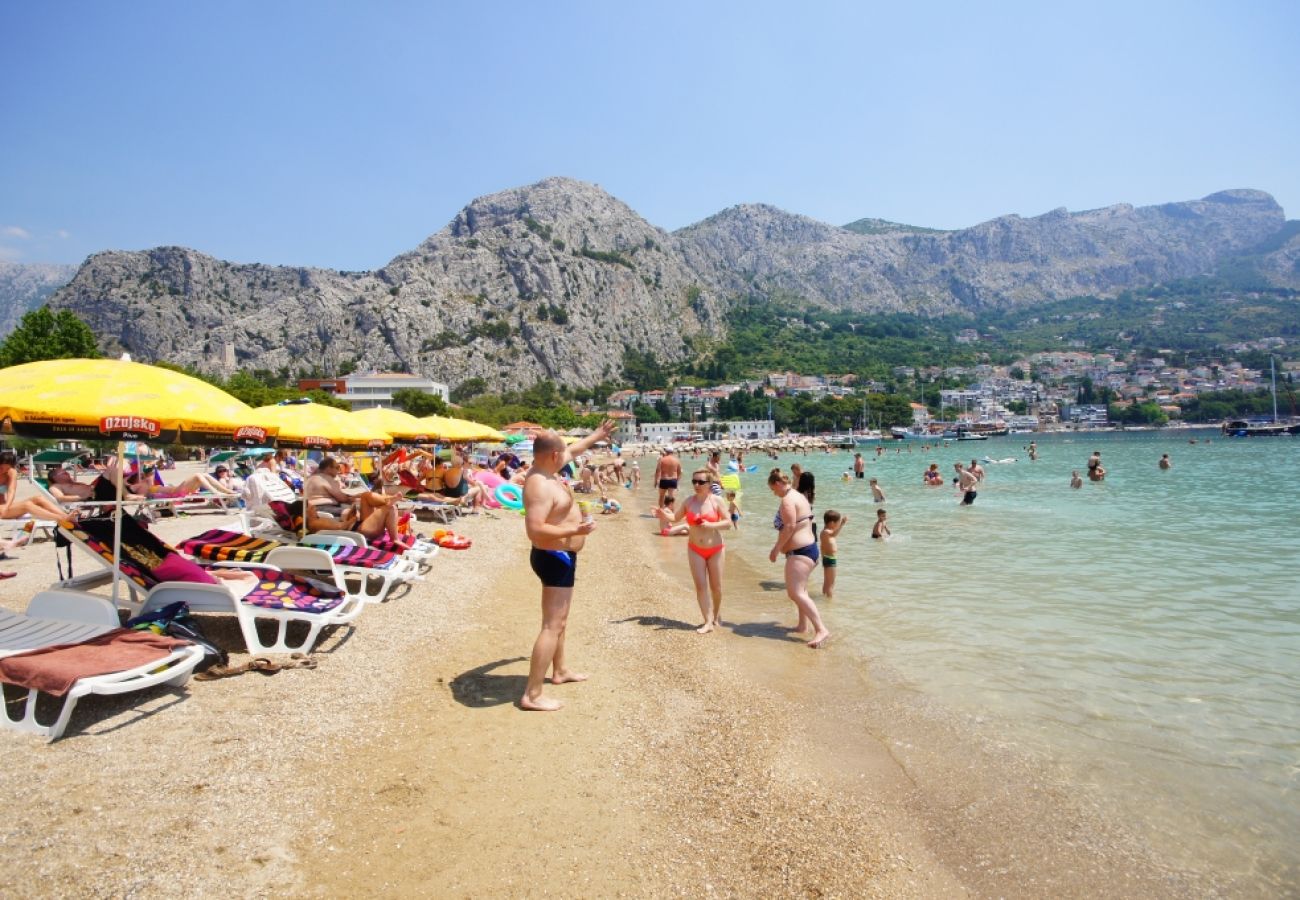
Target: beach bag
column 175, row 620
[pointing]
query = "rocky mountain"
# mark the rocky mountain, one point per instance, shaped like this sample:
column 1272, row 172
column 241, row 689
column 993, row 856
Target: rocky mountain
column 1009, row 261
column 556, row 280
column 551, row 281
column 24, row 287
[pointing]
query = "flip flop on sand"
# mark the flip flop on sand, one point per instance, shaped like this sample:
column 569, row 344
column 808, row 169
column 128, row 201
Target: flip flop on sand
column 257, row 664
column 7, row 574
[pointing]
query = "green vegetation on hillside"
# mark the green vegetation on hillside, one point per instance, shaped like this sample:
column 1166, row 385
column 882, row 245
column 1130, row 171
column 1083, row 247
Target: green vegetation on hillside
column 884, row 226
column 780, row 335
column 1196, row 316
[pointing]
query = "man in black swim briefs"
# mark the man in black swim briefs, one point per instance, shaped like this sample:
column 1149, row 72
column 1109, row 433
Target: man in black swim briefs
column 557, row 530
column 667, row 471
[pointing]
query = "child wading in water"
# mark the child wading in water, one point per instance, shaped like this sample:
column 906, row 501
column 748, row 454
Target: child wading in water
column 833, row 524
column 733, row 508
column 880, row 530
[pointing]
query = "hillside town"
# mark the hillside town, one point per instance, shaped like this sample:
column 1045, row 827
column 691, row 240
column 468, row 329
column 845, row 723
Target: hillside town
column 1040, row 391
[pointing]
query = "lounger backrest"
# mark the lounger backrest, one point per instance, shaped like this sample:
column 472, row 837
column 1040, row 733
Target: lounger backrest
column 219, row 545
column 142, row 551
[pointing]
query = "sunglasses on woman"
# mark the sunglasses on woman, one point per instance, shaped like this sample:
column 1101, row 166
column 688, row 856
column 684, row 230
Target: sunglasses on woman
column 699, row 481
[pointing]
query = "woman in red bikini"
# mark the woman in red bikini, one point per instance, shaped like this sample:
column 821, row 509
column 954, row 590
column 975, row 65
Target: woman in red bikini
column 706, row 516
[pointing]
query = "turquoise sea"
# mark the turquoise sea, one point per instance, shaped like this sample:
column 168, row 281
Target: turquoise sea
column 1142, row 632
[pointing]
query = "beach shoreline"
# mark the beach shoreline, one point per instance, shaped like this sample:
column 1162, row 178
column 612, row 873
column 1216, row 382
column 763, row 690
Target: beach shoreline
column 741, row 766
column 688, row 764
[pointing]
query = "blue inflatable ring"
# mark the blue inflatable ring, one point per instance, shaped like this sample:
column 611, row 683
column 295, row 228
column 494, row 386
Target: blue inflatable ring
column 509, row 495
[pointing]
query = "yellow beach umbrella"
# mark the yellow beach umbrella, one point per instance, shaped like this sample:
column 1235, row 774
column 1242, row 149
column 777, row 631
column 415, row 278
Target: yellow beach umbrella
column 459, row 430
column 95, row 399
column 401, row 425
column 319, row 427
column 474, row 431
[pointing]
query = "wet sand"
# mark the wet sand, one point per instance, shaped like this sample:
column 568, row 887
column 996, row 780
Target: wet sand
column 738, row 763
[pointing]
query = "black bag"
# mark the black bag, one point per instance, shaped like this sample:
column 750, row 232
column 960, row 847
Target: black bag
column 175, row 620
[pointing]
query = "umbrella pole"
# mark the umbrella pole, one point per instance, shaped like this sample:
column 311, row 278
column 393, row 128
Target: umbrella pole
column 117, row 519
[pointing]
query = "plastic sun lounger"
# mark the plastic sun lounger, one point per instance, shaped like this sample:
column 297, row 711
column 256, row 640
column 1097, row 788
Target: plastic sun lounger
column 68, row 617
column 301, row 600
column 340, row 559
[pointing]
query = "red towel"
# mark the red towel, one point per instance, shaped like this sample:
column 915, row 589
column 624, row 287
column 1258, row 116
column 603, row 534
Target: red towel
column 56, row 669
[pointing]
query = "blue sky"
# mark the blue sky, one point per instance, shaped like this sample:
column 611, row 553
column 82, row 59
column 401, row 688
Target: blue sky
column 340, row 134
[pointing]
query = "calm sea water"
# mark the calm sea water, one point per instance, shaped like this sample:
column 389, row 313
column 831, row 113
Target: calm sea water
column 1144, row 632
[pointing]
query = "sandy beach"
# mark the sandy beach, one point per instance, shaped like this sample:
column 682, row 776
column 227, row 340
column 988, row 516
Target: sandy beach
column 735, row 764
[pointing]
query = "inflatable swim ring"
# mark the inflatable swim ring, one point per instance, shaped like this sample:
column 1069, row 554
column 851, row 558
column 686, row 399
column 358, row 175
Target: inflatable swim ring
column 510, row 495
column 451, row 540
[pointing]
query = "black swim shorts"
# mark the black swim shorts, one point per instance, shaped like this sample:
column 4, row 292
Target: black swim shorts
column 555, row 568
column 667, row 484
column 968, row 499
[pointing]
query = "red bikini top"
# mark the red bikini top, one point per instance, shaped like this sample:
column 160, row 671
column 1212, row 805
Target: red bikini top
column 696, row 518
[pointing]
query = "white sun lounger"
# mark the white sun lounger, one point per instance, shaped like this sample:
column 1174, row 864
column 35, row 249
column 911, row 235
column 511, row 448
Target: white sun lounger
column 68, row 617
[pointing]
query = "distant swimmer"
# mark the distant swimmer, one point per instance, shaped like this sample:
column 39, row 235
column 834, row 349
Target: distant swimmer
column 1033, row 451
column 932, row 476
column 877, row 495
column 1075, row 480
column 859, row 465
column 1095, row 470
column 1165, row 462
column 966, row 484
column 880, row 530
column 977, row 470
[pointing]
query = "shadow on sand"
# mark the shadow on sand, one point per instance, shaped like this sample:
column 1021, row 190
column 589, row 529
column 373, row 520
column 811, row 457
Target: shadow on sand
column 659, row 623
column 770, row 630
column 772, row 586
column 478, row 688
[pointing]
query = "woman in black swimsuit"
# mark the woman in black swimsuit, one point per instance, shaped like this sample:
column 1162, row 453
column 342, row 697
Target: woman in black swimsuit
column 794, row 538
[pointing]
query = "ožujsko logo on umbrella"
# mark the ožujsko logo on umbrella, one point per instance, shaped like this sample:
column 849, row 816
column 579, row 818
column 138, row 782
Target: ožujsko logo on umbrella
column 312, row 440
column 136, row 427
column 250, row 436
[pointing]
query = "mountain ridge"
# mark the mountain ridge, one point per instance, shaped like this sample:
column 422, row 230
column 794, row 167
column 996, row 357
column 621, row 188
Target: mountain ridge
column 557, row 280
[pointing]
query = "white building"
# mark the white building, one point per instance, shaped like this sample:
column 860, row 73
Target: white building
column 664, row 432
column 377, row 389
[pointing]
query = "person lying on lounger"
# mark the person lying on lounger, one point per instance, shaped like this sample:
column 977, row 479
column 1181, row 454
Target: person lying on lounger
column 143, row 484
column 13, row 508
column 67, row 489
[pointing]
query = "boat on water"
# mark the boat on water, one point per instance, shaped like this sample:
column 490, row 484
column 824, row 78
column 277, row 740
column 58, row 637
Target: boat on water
column 913, row 433
column 1246, row 428
column 965, row 432
column 1274, row 427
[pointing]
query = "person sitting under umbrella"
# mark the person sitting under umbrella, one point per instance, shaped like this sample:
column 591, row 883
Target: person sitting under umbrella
column 329, row 507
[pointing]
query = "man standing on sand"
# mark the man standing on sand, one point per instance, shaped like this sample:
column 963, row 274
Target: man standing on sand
column 557, row 530
column 667, row 471
column 966, row 483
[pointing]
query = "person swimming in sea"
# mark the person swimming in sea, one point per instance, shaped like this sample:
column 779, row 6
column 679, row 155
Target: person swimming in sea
column 880, row 530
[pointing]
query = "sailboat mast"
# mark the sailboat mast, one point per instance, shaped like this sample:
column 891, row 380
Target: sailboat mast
column 1272, row 370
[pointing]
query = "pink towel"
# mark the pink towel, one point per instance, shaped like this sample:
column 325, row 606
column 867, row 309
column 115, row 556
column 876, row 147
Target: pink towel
column 56, row 669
